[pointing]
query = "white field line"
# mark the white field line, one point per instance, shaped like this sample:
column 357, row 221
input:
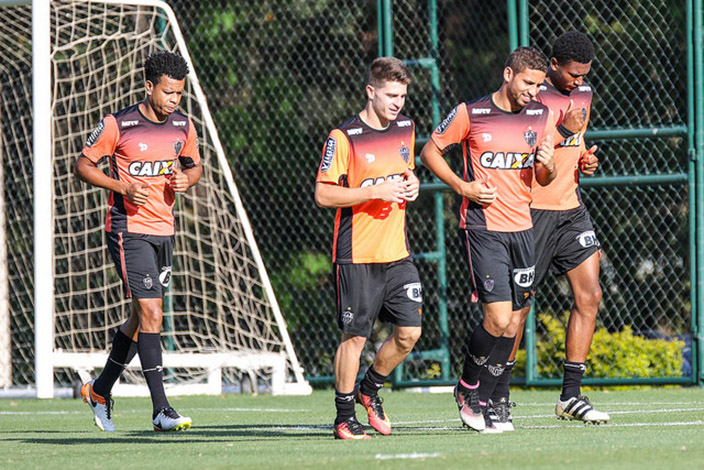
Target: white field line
column 119, row 411
column 414, row 455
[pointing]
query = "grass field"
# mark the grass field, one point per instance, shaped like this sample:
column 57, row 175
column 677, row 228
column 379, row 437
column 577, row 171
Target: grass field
column 652, row 428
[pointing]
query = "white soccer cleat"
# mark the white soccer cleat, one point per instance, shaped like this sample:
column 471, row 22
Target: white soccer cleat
column 580, row 409
column 490, row 421
column 470, row 410
column 167, row 419
column 101, row 407
column 502, row 411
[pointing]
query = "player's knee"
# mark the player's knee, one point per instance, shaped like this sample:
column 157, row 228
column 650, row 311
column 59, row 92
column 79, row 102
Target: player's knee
column 407, row 338
column 588, row 298
column 355, row 343
column 150, row 319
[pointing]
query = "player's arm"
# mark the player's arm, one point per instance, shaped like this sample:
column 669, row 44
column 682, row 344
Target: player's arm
column 588, row 161
column 187, row 170
column 545, row 169
column 181, row 180
column 87, row 171
column 333, row 195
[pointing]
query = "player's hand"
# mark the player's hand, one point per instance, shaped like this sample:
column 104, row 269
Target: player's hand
column 391, row 190
column 574, row 117
column 546, row 151
column 178, row 180
column 138, row 193
column 588, row 163
column 479, row 191
column 412, row 185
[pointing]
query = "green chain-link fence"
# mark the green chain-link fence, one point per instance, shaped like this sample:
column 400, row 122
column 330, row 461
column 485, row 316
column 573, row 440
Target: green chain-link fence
column 280, row 74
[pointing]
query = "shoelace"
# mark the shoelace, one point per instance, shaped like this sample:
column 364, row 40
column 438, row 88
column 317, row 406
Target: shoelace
column 169, row 413
column 375, row 402
column 355, row 427
column 503, row 409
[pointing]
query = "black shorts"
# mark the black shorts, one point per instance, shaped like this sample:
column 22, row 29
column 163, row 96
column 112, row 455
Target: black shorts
column 143, row 263
column 389, row 291
column 563, row 240
column 502, row 266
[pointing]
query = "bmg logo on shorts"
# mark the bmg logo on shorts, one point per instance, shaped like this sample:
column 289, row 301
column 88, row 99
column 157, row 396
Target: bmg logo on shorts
column 524, row 276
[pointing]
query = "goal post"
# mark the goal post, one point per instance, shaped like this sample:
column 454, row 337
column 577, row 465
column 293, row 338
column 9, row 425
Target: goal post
column 222, row 322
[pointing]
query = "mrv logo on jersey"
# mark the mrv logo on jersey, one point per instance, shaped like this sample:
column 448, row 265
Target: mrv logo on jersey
column 507, row 161
column 158, row 168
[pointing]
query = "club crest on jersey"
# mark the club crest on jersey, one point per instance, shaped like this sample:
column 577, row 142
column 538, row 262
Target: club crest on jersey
column 95, row 135
column 530, row 137
column 178, row 146
column 329, row 154
column 447, row 121
column 158, row 168
column 405, row 153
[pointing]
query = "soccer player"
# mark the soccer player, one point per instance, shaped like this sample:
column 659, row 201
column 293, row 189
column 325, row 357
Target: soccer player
column 506, row 139
column 367, row 174
column 565, row 241
column 146, row 144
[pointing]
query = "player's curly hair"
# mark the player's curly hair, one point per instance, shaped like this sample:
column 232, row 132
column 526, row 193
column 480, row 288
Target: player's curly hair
column 165, row 63
column 522, row 58
column 573, row 46
column 388, row 69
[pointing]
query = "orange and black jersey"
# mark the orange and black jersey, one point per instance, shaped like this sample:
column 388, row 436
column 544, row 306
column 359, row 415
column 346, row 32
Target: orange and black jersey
column 143, row 151
column 355, row 156
column 563, row 192
column 500, row 146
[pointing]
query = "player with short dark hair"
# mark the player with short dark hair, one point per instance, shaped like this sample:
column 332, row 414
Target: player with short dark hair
column 506, row 142
column 565, row 241
column 367, row 174
column 146, row 144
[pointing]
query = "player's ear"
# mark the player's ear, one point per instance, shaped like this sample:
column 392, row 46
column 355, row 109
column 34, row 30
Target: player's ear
column 370, row 91
column 149, row 87
column 508, row 74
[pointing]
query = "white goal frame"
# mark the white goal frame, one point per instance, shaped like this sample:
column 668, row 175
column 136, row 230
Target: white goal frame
column 47, row 357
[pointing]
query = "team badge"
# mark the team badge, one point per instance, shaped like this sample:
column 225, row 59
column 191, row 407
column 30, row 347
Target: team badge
column 165, row 276
column 531, row 137
column 405, row 153
column 95, row 135
column 178, row 146
column 489, row 285
column 347, row 316
column 148, row 284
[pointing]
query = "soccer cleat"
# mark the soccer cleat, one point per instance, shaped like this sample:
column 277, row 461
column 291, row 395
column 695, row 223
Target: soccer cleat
column 377, row 418
column 490, row 418
column 167, row 419
column 470, row 410
column 502, row 410
column 350, row 429
column 101, row 407
column 579, row 408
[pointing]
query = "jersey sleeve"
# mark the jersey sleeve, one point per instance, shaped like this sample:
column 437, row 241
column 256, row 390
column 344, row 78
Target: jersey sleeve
column 453, row 129
column 103, row 140
column 190, row 154
column 336, row 158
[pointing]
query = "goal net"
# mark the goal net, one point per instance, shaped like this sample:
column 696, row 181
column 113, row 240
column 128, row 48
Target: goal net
column 222, row 325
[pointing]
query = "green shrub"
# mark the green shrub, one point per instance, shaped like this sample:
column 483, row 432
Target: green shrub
column 612, row 355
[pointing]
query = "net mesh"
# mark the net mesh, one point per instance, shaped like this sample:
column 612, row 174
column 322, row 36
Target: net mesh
column 217, row 300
